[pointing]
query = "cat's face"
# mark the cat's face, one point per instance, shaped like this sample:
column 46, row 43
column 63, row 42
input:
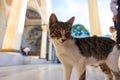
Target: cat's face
column 60, row 31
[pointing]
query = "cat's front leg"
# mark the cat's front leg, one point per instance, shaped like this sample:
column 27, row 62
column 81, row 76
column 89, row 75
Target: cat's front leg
column 67, row 71
column 80, row 67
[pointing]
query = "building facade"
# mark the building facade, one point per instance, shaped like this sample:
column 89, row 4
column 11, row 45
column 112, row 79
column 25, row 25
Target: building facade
column 24, row 24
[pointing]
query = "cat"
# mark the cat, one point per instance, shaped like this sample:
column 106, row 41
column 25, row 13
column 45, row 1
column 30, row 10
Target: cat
column 80, row 52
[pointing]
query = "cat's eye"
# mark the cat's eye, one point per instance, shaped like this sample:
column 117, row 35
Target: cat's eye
column 52, row 35
column 58, row 33
column 55, row 34
column 68, row 34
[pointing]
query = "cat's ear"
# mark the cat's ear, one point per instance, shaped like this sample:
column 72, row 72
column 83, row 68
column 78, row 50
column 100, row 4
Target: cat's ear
column 52, row 19
column 71, row 20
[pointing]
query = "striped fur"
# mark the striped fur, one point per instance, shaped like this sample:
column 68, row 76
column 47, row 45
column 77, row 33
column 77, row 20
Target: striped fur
column 80, row 52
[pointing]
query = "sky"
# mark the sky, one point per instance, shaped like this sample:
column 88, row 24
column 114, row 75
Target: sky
column 65, row 9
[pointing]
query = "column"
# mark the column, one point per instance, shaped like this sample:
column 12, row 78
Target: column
column 44, row 41
column 4, row 10
column 50, row 50
column 15, row 26
column 94, row 18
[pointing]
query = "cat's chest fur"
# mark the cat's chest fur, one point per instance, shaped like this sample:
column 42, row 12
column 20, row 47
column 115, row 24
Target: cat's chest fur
column 68, row 51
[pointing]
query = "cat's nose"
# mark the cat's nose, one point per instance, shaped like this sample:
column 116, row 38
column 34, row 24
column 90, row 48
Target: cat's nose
column 63, row 40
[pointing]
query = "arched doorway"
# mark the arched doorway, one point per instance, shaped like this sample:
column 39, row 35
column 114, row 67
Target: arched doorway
column 32, row 33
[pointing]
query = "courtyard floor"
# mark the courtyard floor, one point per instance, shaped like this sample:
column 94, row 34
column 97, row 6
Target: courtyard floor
column 44, row 72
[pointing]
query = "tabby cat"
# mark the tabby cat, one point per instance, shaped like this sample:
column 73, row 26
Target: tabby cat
column 80, row 52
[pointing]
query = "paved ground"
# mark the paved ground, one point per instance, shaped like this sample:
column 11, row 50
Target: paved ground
column 43, row 72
